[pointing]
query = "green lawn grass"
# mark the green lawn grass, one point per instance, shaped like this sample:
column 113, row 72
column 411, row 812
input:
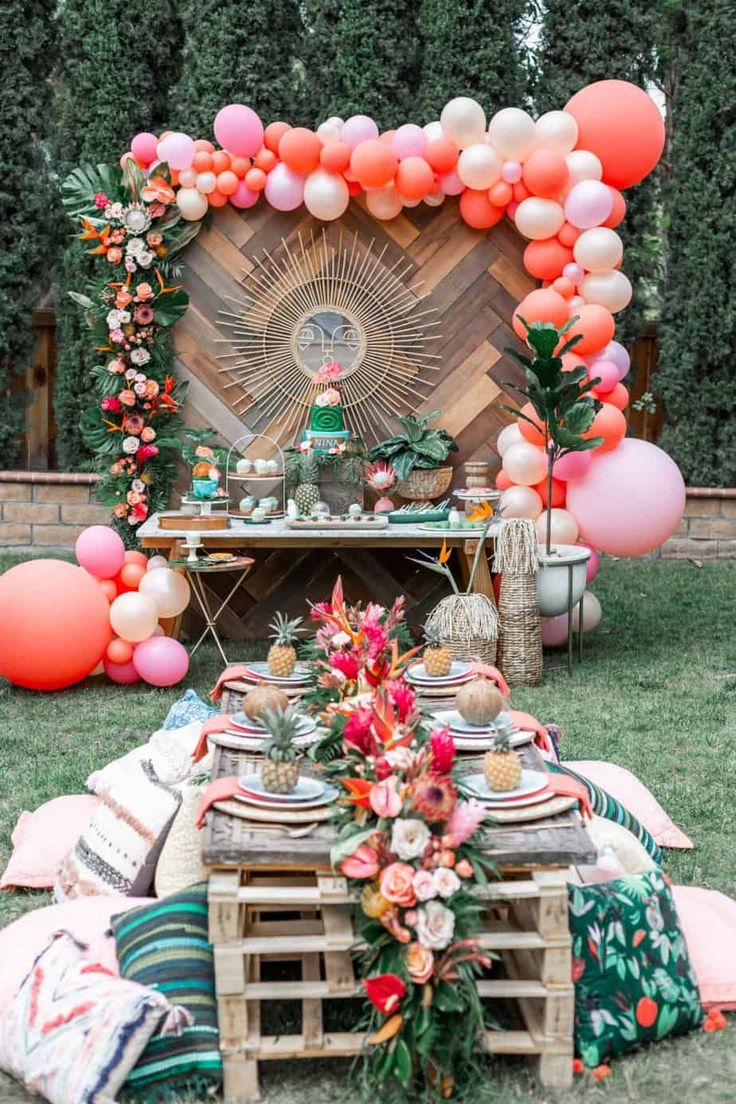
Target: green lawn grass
column 656, row 693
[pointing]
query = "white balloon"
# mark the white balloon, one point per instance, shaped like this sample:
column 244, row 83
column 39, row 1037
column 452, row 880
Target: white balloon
column 558, row 131
column 513, row 133
column 326, row 195
column 582, row 165
column 188, row 178
column 433, row 130
column 538, row 218
column 520, row 502
column 157, row 561
column 508, row 436
column 168, row 590
column 592, row 613
column 384, row 203
column 599, row 249
column 479, row 166
column 608, row 289
column 464, row 121
column 192, row 204
column 134, row 616
column 328, row 132
column 206, row 182
column 564, row 527
column 525, row 464
column 336, row 122
column 435, row 199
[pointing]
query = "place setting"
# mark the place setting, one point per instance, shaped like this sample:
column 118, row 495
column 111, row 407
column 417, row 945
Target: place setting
column 310, row 800
column 445, row 685
column 530, row 799
column 480, row 737
column 249, row 734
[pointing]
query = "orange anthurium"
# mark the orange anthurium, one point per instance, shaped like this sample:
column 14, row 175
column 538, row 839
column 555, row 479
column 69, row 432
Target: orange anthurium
column 359, row 789
column 157, row 190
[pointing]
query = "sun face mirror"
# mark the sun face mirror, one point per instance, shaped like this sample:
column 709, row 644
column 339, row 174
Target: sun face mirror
column 328, row 335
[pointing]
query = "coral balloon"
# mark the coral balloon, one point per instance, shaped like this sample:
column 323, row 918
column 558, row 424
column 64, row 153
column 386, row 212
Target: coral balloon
column 239, row 130
column 192, row 204
column 599, row 249
column 568, row 235
column 357, row 129
column 217, row 199
column 612, row 290
column 254, row 180
column 384, row 203
column 335, row 156
column 299, row 149
column 441, row 154
column 508, row 436
column 622, row 125
column 545, row 172
column 119, row 651
column 265, row 159
column 502, row 481
column 161, row 661
column 520, row 502
column 227, row 182
column 373, row 163
column 618, row 211
column 540, row 305
column 169, row 591
column 326, row 195
column 588, row 204
column 534, row 434
column 108, row 588
column 240, row 166
column 572, row 360
column 134, row 616
column 284, row 188
column 133, row 556
column 619, row 397
column 595, row 325
column 564, row 287
column 220, row 161
column 477, row 210
column 583, row 165
column 409, row 141
column 559, row 491
column 610, row 424
column 273, row 134
column 512, row 133
column 524, row 464
column 546, row 259
column 55, row 624
column 539, row 218
column 564, row 527
column 607, row 372
column 574, row 465
column 100, row 551
column 479, row 166
column 500, row 194
column 124, row 674
column 143, row 147
column 201, row 162
column 414, row 178
column 177, row 150
column 463, row 121
column 558, row 131
column 131, row 575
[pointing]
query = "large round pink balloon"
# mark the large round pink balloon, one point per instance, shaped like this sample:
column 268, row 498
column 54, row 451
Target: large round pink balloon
column 100, row 551
column 161, row 661
column 239, row 130
column 630, row 501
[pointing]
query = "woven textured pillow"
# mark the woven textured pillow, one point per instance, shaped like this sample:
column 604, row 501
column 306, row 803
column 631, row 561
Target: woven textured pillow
column 189, row 707
column 180, row 862
column 106, row 858
column 633, row 979
column 165, row 946
column 169, row 752
column 606, row 806
column 74, row 1030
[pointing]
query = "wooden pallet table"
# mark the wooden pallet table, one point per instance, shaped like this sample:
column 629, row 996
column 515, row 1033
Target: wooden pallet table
column 281, row 926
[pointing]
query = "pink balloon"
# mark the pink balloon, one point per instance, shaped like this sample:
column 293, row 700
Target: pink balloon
column 123, row 673
column 239, row 130
column 143, row 147
column 615, row 352
column 243, row 196
column 177, row 150
column 588, row 204
column 100, row 551
column 573, row 272
column 409, row 141
column 284, row 188
column 607, row 372
column 451, row 184
column 161, row 661
column 592, row 566
column 573, row 466
column 554, row 630
column 359, row 128
column 511, row 172
column 630, row 501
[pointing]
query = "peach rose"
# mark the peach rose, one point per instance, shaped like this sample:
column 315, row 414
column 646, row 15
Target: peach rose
column 397, row 884
column 419, row 963
column 464, row 869
column 127, row 397
column 120, row 510
column 144, row 291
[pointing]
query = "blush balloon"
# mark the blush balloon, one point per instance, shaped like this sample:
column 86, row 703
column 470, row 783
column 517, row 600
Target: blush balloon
column 593, row 564
column 607, row 372
column 574, row 465
column 124, row 674
column 409, row 140
column 239, row 130
column 508, row 436
column 161, row 661
column 524, row 464
column 100, row 551
column 520, row 502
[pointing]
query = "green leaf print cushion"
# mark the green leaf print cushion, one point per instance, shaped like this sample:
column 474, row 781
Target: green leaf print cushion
column 632, row 974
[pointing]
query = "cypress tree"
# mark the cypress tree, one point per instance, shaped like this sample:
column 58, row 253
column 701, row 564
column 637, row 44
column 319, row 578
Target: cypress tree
column 118, row 60
column 26, row 228
column 614, row 39
column 471, row 48
column 360, row 58
column 236, row 53
column 698, row 326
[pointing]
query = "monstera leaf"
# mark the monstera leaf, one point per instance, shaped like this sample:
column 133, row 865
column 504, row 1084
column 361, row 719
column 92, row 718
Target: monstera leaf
column 97, row 436
column 78, row 190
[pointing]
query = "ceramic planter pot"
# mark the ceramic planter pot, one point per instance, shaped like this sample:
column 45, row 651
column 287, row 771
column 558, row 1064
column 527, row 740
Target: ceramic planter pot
column 553, row 577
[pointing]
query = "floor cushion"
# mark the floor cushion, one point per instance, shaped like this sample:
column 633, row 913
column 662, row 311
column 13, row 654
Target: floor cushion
column 189, row 707
column 74, row 1030
column 610, row 838
column 708, row 921
column 605, row 805
column 87, row 919
column 169, row 751
column 42, row 840
column 180, row 862
column 634, row 795
column 165, row 946
column 633, row 978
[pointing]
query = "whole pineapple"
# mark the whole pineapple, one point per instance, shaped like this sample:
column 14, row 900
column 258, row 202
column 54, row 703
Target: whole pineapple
column 282, row 653
column 307, row 494
column 437, row 658
column 280, row 766
column 501, row 765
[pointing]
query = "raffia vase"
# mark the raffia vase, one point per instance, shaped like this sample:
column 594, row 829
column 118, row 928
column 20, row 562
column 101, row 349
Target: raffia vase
column 520, row 639
column 467, row 625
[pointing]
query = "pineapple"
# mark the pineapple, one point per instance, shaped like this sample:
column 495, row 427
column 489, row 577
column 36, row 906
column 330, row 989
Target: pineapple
column 501, row 765
column 280, row 767
column 437, row 658
column 282, row 653
column 307, row 495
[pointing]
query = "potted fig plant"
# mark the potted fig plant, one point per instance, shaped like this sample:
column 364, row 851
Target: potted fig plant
column 417, row 456
column 564, row 413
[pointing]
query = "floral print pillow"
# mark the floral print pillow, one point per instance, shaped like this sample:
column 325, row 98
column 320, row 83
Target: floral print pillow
column 633, row 978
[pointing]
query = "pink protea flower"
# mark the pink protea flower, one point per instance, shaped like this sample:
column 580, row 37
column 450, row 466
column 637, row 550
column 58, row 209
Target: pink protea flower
column 380, row 476
column 442, row 747
column 134, row 423
column 434, row 797
column 466, row 817
column 345, row 662
column 143, row 314
column 111, row 404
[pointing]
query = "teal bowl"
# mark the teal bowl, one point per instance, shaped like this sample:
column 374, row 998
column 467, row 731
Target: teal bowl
column 204, row 488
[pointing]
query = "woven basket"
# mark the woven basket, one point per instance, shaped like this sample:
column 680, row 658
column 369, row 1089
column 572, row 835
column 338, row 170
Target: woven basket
column 467, row 625
column 424, row 483
column 520, row 641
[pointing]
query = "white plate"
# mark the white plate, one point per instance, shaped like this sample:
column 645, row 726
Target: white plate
column 246, row 727
column 520, row 802
column 457, row 723
column 328, row 794
column 458, row 670
column 260, row 670
column 306, row 789
column 532, row 782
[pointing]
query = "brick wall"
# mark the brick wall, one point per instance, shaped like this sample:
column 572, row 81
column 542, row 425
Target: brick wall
column 47, row 508
column 708, row 529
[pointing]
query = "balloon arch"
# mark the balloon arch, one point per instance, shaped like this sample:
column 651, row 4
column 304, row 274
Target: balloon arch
column 559, row 179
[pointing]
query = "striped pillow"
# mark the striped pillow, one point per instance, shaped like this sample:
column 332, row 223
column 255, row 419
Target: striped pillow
column 608, row 807
column 164, row 946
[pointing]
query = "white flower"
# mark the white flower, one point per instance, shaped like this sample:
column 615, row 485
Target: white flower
column 136, row 218
column 423, row 884
column 140, row 377
column 130, row 266
column 131, row 444
column 446, row 881
column 409, row 838
column 140, row 356
column 139, row 388
column 134, row 246
column 145, row 260
column 340, row 639
column 400, row 758
column 435, row 926
column 124, row 317
column 113, row 319
column 138, row 486
column 130, row 374
column 114, row 211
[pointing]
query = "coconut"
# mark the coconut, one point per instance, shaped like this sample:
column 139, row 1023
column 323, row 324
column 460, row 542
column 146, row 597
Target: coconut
column 263, row 697
column 479, row 701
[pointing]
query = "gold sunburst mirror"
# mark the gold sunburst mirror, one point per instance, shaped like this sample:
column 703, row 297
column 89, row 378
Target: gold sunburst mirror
column 327, row 299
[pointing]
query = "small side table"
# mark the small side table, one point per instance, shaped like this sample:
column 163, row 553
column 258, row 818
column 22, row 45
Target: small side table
column 194, row 570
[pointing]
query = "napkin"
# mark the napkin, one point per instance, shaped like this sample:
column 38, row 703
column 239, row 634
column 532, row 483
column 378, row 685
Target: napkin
column 219, row 723
column 531, row 724
column 564, row 786
column 222, row 790
column 230, row 674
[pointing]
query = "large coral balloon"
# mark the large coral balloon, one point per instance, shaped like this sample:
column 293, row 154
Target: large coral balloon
column 630, row 501
column 622, row 126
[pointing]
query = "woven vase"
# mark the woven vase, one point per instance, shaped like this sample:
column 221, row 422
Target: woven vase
column 520, row 639
column 467, row 625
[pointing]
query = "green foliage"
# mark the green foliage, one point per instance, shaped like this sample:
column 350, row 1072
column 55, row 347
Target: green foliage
column 698, row 328
column 417, row 447
column 236, row 53
column 27, row 232
column 470, row 48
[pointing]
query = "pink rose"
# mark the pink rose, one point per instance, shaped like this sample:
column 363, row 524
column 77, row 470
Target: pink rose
column 424, row 885
column 397, row 884
column 117, row 336
column 144, row 291
column 384, row 798
column 116, row 367
column 363, row 863
column 419, row 963
column 464, row 869
column 115, row 255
